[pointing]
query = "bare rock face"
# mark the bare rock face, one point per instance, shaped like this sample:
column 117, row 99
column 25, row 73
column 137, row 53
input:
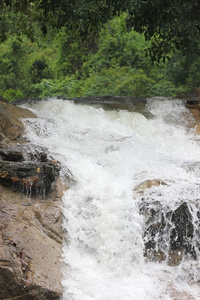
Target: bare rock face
column 10, row 125
column 30, row 245
column 31, row 232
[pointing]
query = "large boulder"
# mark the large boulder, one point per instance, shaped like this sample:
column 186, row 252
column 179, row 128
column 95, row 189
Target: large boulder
column 168, row 233
column 26, row 168
column 11, row 126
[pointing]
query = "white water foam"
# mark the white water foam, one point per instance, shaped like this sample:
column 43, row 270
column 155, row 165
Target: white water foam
column 109, row 153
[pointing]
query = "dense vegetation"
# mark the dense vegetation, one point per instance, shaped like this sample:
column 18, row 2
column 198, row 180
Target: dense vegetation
column 43, row 56
column 168, row 24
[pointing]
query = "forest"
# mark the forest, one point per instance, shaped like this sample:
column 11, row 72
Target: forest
column 43, row 56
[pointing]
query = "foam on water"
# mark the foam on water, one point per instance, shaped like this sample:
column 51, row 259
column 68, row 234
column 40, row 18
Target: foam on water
column 109, row 153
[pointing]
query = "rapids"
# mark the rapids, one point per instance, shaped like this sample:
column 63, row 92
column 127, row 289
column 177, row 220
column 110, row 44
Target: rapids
column 110, row 152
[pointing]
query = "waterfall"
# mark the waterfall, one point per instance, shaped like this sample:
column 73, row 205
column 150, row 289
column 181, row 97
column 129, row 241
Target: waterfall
column 108, row 221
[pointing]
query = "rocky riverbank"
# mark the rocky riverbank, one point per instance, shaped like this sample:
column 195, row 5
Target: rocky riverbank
column 31, row 232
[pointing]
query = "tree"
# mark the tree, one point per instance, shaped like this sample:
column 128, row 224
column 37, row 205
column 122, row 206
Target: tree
column 86, row 16
column 167, row 24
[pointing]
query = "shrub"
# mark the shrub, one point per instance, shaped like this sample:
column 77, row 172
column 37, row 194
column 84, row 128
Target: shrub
column 12, row 94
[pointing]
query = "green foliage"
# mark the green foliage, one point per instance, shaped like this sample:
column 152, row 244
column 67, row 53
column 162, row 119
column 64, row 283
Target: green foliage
column 12, row 94
column 65, row 65
column 13, row 58
column 19, row 18
column 177, row 69
column 39, row 70
column 68, row 87
column 119, row 81
column 72, row 53
column 117, row 47
column 84, row 16
column 184, row 72
column 163, row 88
column 43, row 89
column 193, row 78
column 168, row 24
column 23, row 63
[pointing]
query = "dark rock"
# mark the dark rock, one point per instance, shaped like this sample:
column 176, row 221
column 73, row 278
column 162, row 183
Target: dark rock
column 137, row 104
column 33, row 177
column 3, row 100
column 26, row 168
column 182, row 229
column 193, row 104
column 22, row 152
column 168, row 234
column 169, row 231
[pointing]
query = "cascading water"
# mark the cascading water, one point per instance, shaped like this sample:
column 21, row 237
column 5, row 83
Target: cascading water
column 110, row 153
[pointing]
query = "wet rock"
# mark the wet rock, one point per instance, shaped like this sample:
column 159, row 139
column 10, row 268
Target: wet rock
column 194, row 107
column 181, row 233
column 192, row 167
column 29, row 177
column 148, row 184
column 26, row 168
column 137, row 104
column 168, row 234
column 22, row 152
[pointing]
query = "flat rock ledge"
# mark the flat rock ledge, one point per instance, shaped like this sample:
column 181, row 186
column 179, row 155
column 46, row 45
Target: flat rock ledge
column 31, row 218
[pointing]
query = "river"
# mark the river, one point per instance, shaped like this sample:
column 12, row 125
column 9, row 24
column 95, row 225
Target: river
column 107, row 153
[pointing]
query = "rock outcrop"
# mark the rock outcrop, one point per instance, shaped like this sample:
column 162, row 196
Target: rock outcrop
column 168, row 234
column 194, row 107
column 30, row 214
column 30, row 246
column 11, row 126
column 26, row 167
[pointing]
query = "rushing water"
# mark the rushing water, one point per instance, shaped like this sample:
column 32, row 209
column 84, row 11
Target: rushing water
column 109, row 153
